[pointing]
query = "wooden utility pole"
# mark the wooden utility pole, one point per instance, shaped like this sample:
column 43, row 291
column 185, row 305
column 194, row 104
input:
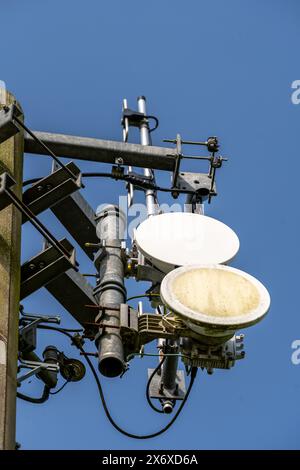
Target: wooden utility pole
column 11, row 161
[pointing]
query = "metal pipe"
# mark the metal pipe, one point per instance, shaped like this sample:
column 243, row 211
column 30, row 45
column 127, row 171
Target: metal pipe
column 150, row 194
column 106, row 151
column 110, row 290
column 169, row 374
column 169, row 370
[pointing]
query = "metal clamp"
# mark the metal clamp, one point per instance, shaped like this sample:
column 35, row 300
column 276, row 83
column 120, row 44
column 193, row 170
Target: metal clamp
column 212, row 145
column 27, row 332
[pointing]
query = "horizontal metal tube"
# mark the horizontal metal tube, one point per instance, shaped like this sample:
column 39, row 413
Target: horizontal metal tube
column 106, row 151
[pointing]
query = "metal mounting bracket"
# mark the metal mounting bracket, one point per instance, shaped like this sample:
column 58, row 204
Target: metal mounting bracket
column 45, row 267
column 157, row 390
column 75, row 207
column 198, row 182
column 144, row 271
column 75, row 294
column 51, row 190
column 34, row 368
column 27, row 331
column 7, row 196
column 8, row 125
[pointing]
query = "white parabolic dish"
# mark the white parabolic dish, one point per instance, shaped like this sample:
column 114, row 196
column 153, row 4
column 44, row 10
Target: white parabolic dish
column 215, row 296
column 180, row 238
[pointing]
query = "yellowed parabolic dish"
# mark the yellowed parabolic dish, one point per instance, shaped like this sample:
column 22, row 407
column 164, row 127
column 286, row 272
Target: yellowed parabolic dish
column 215, row 295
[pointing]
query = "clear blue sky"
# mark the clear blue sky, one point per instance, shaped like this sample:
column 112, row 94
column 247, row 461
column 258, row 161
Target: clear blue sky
column 207, row 68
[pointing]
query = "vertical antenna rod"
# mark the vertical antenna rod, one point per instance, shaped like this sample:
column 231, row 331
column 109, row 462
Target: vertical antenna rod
column 151, row 199
column 125, row 139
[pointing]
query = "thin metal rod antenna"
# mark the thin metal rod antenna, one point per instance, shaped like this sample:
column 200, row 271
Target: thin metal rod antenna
column 150, row 194
column 125, row 139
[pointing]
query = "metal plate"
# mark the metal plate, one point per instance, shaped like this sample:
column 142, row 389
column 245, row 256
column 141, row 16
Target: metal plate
column 199, row 182
column 179, row 239
column 155, row 386
column 44, row 267
column 51, row 190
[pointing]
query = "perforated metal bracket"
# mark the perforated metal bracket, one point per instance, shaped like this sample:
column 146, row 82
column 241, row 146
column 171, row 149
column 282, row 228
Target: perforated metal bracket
column 51, row 190
column 45, row 267
column 198, row 182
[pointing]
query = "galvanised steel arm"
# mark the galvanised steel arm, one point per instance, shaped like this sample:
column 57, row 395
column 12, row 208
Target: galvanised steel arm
column 106, row 151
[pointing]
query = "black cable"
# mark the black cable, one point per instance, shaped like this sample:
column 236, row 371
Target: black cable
column 145, row 436
column 109, row 417
column 158, row 368
column 72, row 330
column 100, row 174
column 136, row 182
column 128, row 179
column 155, row 125
column 61, row 388
column 42, row 399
